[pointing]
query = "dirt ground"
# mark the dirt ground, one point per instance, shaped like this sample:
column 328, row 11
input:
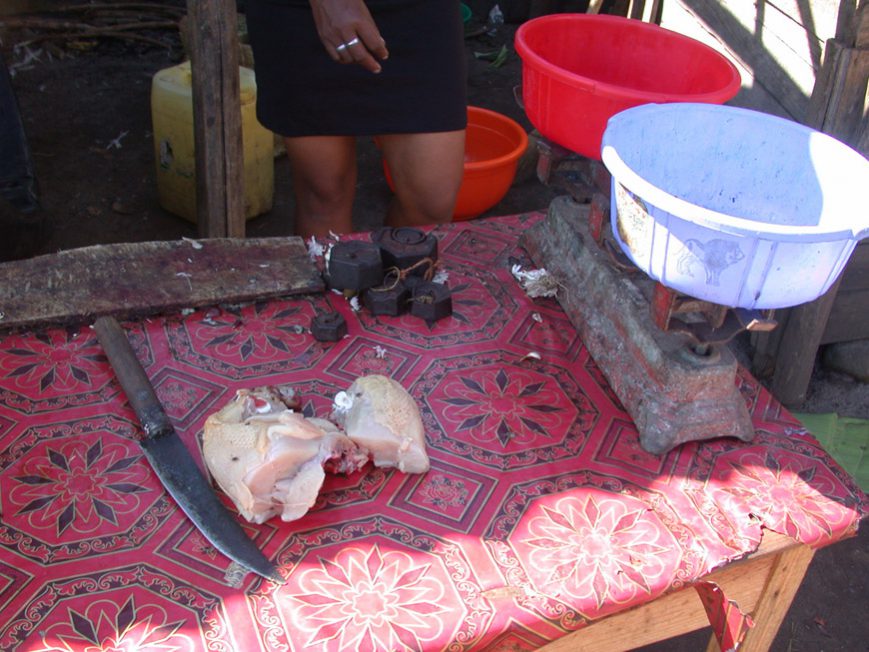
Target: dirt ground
column 86, row 110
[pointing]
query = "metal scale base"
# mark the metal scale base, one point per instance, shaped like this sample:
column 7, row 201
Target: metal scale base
column 674, row 390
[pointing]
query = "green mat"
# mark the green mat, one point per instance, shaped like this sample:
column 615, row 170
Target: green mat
column 845, row 439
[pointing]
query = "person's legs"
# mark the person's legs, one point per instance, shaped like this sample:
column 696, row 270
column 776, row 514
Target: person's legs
column 324, row 181
column 426, row 171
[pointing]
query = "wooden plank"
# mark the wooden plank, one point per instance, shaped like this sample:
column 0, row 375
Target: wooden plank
column 818, row 17
column 682, row 612
column 838, row 103
column 678, row 16
column 853, row 23
column 847, row 120
column 774, row 64
column 672, row 615
column 847, row 320
column 856, row 274
column 217, row 118
column 861, row 26
column 799, row 346
column 766, row 344
column 134, row 279
column 825, row 85
column 788, row 40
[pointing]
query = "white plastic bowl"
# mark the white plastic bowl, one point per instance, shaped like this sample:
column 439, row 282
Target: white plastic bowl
column 734, row 206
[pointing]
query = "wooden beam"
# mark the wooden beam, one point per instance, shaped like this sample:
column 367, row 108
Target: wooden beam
column 852, row 27
column 217, row 118
column 134, row 279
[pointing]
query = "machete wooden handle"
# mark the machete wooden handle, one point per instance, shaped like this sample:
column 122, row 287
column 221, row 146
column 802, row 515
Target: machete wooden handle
column 140, row 393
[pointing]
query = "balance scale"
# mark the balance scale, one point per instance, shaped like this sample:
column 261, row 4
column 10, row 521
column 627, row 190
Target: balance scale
column 664, row 354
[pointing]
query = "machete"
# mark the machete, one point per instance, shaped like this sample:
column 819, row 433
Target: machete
column 171, row 460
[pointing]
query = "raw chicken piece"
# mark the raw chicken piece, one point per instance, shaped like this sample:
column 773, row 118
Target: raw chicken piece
column 377, row 413
column 270, row 460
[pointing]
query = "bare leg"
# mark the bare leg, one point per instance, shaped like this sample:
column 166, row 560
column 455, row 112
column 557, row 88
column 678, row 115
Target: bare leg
column 426, row 171
column 324, row 181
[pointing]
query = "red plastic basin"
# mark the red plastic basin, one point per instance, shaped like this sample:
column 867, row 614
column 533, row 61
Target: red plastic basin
column 493, row 145
column 578, row 70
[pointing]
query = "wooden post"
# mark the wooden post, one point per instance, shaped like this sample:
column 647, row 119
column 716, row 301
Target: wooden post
column 649, row 11
column 217, row 118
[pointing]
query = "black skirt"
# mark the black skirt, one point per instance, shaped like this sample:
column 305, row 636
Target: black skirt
column 301, row 91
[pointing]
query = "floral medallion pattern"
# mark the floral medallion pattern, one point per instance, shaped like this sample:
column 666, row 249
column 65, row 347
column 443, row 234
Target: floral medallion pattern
column 52, row 370
column 372, row 584
column 595, row 550
column 369, row 599
column 786, row 491
column 105, row 626
column 540, row 510
column 449, row 494
column 135, row 608
column 77, row 488
column 504, row 412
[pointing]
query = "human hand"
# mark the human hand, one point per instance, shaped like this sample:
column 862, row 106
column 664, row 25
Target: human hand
column 348, row 32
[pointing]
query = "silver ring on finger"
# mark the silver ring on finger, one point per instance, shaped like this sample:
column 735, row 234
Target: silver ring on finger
column 344, row 46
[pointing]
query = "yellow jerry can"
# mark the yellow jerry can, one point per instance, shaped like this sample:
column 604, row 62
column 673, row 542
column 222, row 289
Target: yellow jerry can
column 172, row 123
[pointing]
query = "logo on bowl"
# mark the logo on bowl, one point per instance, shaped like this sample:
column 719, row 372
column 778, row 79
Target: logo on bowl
column 714, row 256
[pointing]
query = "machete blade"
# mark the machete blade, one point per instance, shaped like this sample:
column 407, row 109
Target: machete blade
column 173, row 463
column 185, row 483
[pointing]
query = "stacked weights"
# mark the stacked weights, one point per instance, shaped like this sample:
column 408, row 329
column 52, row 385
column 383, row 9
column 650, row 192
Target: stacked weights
column 391, row 273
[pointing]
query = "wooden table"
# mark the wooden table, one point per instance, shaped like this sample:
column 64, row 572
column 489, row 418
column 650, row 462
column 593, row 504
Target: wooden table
column 542, row 521
column 763, row 584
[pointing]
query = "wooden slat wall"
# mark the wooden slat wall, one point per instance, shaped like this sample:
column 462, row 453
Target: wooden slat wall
column 778, row 45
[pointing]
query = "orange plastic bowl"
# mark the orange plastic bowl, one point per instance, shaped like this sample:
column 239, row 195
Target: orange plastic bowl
column 493, row 145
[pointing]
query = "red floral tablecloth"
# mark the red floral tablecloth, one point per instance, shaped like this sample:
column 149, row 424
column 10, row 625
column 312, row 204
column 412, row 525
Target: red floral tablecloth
column 541, row 510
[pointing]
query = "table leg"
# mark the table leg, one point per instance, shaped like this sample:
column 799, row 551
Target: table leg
column 762, row 584
column 780, row 586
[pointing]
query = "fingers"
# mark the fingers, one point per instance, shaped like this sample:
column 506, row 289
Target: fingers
column 364, row 50
column 373, row 41
column 349, row 33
